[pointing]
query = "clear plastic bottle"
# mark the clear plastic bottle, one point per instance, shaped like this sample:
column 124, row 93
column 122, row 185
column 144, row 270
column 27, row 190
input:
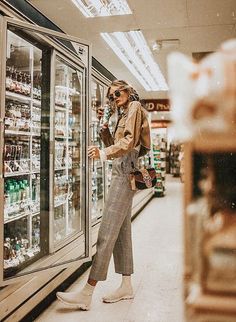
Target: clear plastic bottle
column 108, row 111
column 22, row 190
column 11, row 193
column 27, row 189
column 17, row 192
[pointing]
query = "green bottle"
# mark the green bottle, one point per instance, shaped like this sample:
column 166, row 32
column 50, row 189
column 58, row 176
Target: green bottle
column 11, row 194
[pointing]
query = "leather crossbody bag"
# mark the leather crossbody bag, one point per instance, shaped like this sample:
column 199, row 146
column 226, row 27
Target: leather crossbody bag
column 141, row 179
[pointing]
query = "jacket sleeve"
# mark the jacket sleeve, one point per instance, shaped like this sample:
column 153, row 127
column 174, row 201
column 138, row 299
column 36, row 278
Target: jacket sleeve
column 106, row 137
column 131, row 133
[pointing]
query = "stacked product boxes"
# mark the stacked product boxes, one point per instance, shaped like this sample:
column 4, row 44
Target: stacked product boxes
column 159, row 159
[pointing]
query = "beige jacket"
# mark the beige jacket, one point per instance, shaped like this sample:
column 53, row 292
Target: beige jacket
column 132, row 129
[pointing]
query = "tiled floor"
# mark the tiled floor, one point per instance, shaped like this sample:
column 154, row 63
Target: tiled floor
column 158, row 255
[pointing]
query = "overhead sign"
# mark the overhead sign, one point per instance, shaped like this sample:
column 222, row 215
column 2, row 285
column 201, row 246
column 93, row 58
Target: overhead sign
column 159, row 105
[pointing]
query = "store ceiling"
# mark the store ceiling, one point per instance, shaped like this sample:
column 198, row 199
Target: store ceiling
column 199, row 24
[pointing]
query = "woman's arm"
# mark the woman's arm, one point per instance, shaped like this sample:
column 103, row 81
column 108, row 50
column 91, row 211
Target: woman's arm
column 106, row 136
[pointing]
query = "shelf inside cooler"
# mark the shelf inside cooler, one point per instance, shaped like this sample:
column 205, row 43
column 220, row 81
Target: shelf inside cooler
column 11, row 132
column 61, row 108
column 63, row 169
column 16, row 174
column 18, row 97
column 63, row 137
column 36, row 103
column 61, row 201
column 14, row 218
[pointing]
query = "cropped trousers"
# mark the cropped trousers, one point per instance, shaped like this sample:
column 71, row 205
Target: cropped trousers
column 115, row 230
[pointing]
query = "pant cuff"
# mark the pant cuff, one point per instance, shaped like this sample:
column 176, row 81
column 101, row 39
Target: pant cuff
column 124, row 272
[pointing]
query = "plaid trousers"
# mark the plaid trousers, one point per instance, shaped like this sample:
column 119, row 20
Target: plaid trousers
column 115, row 230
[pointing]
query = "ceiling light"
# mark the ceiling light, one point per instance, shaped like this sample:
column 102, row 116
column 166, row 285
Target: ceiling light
column 165, row 44
column 101, row 8
column 132, row 49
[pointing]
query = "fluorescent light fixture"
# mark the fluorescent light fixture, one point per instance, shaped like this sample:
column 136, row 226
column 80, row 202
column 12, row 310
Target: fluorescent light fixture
column 132, row 49
column 101, row 8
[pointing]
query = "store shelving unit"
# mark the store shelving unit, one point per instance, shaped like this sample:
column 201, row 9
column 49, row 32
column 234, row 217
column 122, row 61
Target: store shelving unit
column 175, row 149
column 159, row 161
column 210, row 227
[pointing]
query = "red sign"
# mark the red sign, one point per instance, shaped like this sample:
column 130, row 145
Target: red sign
column 160, row 124
column 159, row 105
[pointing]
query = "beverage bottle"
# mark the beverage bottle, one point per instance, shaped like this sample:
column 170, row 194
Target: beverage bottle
column 34, row 190
column 11, row 194
column 17, row 192
column 27, row 189
column 37, row 190
column 22, row 191
column 108, row 111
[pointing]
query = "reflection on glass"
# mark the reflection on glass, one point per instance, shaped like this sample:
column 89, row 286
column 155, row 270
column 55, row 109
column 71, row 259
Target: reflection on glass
column 21, row 154
column 97, row 171
column 67, row 162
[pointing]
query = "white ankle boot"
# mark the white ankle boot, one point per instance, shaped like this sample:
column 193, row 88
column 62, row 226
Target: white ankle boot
column 78, row 300
column 124, row 292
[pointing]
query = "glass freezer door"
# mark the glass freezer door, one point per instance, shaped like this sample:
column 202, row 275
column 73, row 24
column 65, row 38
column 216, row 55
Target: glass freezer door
column 97, row 92
column 67, row 220
column 21, row 154
column 44, row 191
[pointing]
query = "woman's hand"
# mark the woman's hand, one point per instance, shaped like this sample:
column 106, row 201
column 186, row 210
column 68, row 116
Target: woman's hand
column 100, row 112
column 93, row 152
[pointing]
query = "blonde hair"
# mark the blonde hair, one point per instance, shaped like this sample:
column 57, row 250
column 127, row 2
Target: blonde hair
column 124, row 86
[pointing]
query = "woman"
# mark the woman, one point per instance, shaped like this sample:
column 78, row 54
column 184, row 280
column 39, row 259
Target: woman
column 130, row 140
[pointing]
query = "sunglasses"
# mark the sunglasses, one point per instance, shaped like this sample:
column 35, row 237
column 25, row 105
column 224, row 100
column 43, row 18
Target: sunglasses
column 116, row 93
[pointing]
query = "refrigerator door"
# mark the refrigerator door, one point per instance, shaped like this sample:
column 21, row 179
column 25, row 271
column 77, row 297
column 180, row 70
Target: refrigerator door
column 44, row 172
column 97, row 93
column 68, row 182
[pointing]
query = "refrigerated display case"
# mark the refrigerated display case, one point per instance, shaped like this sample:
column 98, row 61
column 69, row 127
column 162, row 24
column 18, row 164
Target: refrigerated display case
column 44, row 117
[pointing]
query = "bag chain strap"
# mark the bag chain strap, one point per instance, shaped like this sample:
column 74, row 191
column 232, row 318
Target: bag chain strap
column 146, row 176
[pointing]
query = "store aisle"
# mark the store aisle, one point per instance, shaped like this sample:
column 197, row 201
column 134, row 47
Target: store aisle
column 158, row 255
